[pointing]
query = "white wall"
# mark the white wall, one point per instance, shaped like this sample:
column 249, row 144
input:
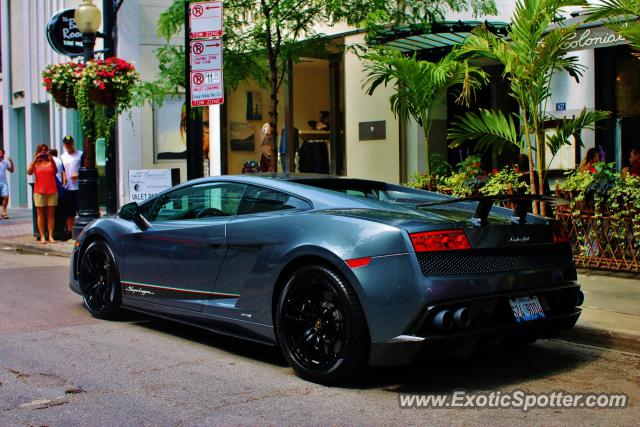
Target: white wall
column 368, row 159
column 576, row 95
column 137, row 42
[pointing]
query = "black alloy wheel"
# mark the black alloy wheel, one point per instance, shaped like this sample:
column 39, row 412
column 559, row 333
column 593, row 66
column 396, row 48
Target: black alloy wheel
column 320, row 326
column 99, row 281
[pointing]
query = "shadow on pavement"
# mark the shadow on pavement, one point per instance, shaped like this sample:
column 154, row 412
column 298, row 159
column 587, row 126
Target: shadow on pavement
column 483, row 370
column 237, row 346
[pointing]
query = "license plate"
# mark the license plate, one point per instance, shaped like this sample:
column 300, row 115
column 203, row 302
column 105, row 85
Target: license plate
column 526, row 309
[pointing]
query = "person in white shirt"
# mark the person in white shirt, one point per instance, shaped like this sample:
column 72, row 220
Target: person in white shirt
column 5, row 165
column 58, row 162
column 71, row 161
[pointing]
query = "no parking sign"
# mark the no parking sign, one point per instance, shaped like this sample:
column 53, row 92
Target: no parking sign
column 206, row 88
column 205, row 22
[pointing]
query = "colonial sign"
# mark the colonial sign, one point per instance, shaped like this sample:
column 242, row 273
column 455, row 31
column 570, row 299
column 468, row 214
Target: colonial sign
column 593, row 38
column 63, row 34
column 205, row 19
column 206, row 88
column 146, row 183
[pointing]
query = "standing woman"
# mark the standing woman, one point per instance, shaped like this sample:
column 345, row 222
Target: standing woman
column 592, row 157
column 45, row 192
column 265, row 149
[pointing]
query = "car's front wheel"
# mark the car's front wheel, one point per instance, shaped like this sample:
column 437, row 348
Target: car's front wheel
column 100, row 281
column 321, row 326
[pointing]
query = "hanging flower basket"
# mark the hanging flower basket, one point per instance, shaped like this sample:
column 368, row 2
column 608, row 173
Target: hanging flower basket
column 110, row 82
column 64, row 98
column 106, row 97
column 105, row 90
column 61, row 80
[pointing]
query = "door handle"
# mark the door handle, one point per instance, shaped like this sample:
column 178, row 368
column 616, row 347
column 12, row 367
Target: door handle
column 216, row 242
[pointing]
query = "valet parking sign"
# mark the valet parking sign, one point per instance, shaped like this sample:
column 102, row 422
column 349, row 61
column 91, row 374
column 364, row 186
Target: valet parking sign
column 205, row 28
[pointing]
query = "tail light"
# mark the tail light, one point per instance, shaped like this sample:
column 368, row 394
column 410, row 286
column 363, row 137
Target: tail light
column 560, row 234
column 441, row 240
column 358, row 262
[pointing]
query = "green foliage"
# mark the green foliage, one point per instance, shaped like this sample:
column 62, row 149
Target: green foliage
column 419, row 85
column 505, row 181
column 104, row 91
column 570, row 127
column 611, row 201
column 376, row 16
column 469, row 177
column 491, row 129
column 530, row 55
column 459, row 184
column 584, row 186
column 440, row 169
column 439, row 165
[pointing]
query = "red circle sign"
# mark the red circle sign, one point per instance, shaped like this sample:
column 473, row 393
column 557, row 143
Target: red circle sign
column 198, row 11
column 198, row 48
column 198, row 78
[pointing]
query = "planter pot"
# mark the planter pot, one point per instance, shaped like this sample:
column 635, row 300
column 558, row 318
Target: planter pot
column 64, row 98
column 106, row 97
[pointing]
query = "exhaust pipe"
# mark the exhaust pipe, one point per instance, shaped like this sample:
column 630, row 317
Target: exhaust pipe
column 443, row 320
column 579, row 298
column 461, row 318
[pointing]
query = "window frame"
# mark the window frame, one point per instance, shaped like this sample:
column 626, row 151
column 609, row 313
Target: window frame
column 159, row 197
column 288, row 193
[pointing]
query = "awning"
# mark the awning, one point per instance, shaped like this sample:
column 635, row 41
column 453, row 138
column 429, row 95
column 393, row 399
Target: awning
column 433, row 40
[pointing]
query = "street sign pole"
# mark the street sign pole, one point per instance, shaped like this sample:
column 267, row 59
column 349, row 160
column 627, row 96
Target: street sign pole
column 195, row 157
column 215, row 143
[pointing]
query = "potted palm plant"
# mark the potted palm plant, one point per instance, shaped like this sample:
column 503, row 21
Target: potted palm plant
column 420, row 85
column 530, row 54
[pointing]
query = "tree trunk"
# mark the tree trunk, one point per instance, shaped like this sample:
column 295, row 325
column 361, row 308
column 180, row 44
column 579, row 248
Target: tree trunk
column 426, row 128
column 540, row 182
column 532, row 175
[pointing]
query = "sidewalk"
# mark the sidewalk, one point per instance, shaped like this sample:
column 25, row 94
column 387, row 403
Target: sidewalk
column 610, row 316
column 17, row 233
column 610, row 313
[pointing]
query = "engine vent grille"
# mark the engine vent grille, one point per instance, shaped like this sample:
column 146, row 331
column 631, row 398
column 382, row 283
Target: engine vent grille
column 493, row 260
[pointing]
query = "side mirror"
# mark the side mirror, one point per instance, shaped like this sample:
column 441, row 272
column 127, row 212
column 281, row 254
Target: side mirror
column 131, row 212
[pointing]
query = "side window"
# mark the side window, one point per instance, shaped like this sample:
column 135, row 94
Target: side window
column 258, row 199
column 199, row 202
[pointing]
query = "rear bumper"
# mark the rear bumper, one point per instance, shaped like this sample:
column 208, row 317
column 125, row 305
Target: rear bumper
column 492, row 324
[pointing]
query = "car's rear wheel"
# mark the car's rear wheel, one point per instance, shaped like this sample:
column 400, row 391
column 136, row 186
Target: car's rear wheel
column 100, row 281
column 320, row 325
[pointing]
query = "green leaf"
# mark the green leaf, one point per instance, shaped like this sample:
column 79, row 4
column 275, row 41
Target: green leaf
column 586, row 120
column 490, row 130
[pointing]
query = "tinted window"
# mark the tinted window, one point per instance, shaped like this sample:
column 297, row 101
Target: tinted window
column 199, row 202
column 258, row 199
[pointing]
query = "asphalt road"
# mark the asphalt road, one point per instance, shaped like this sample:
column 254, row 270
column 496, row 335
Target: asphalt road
column 58, row 366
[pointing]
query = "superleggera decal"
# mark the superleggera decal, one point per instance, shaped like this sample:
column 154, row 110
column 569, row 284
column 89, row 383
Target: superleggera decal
column 170, row 288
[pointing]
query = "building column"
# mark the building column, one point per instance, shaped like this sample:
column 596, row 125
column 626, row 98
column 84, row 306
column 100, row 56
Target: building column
column 129, row 133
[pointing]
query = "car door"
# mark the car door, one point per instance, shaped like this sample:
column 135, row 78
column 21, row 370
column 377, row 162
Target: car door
column 254, row 238
column 175, row 262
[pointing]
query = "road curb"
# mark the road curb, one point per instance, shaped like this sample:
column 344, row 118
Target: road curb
column 602, row 338
column 35, row 248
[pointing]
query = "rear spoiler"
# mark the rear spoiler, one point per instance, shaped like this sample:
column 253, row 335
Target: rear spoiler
column 522, row 204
